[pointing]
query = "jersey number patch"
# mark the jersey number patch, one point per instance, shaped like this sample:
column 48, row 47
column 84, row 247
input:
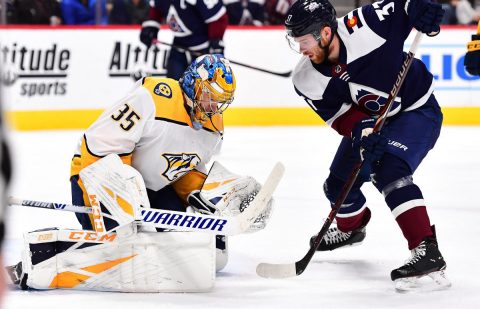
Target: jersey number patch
column 126, row 117
column 384, row 11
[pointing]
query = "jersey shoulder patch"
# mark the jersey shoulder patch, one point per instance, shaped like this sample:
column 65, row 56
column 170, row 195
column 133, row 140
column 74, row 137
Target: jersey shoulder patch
column 354, row 31
column 168, row 99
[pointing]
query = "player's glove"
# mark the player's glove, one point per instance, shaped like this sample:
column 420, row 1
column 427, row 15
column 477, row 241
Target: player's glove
column 369, row 146
column 149, row 32
column 216, row 47
column 472, row 57
column 425, row 16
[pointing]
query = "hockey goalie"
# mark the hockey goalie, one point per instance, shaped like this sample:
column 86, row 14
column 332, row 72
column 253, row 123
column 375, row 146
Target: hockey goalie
column 148, row 152
column 127, row 254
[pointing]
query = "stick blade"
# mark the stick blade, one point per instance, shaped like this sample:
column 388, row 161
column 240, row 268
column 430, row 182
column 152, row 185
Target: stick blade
column 276, row 271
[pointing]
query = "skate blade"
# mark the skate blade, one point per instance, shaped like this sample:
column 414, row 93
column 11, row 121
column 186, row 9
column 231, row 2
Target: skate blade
column 435, row 281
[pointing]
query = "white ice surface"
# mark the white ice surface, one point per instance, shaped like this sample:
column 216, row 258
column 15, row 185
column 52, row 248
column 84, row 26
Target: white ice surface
column 351, row 278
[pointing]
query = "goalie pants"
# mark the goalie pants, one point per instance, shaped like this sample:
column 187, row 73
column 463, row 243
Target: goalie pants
column 411, row 135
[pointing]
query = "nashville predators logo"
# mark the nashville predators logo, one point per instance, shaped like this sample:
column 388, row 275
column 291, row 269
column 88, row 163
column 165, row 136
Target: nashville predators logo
column 179, row 164
column 163, row 90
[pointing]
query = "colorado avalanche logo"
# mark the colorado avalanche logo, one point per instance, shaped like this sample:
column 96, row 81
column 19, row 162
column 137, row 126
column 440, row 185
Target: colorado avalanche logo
column 176, row 24
column 179, row 164
column 373, row 103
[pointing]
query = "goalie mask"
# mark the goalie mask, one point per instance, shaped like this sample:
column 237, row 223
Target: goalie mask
column 305, row 19
column 209, row 86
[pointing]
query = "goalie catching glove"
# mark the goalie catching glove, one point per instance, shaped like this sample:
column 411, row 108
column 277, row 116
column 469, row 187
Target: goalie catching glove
column 227, row 195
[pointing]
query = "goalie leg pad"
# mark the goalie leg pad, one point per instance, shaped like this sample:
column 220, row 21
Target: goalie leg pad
column 143, row 262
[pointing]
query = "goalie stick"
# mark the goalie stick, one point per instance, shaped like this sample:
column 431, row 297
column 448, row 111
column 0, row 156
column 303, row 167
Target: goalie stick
column 196, row 53
column 183, row 221
column 268, row 270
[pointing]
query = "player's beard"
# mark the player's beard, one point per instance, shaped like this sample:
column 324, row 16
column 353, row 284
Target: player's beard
column 319, row 55
column 324, row 51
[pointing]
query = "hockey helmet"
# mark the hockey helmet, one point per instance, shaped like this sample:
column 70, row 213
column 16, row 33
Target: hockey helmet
column 209, row 86
column 309, row 16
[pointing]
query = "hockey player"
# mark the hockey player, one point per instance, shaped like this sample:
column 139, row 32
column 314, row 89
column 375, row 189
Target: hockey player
column 349, row 66
column 197, row 26
column 472, row 57
column 150, row 150
column 168, row 131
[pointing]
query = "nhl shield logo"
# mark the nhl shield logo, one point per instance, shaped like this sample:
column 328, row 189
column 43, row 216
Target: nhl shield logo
column 179, row 164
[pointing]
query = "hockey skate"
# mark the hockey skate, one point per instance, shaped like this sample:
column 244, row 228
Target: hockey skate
column 424, row 271
column 334, row 239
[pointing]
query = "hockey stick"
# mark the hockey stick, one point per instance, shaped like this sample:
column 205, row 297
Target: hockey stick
column 196, row 53
column 175, row 220
column 268, row 270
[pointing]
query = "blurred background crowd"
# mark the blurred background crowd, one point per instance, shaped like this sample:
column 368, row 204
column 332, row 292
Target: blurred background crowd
column 240, row 12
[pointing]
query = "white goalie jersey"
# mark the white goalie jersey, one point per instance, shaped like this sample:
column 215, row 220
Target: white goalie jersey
column 151, row 130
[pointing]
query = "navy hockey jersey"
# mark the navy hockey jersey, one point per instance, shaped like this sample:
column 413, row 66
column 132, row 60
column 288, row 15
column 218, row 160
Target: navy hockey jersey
column 245, row 12
column 189, row 20
column 370, row 58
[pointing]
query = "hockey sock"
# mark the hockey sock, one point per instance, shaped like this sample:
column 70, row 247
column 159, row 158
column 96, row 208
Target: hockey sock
column 347, row 224
column 353, row 213
column 408, row 208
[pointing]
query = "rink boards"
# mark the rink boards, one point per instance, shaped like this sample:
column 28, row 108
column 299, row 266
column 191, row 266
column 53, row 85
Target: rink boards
column 63, row 77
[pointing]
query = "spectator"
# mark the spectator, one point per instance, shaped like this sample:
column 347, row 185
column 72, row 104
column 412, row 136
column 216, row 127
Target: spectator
column 245, row 12
column 36, row 12
column 10, row 11
column 276, row 10
column 125, row 12
column 464, row 12
column 82, row 12
column 450, row 16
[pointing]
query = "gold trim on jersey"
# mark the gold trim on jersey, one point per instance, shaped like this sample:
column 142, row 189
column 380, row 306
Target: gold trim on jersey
column 87, row 157
column 170, row 104
column 188, row 183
